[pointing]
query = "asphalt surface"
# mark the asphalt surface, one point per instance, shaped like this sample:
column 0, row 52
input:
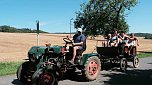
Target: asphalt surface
column 109, row 75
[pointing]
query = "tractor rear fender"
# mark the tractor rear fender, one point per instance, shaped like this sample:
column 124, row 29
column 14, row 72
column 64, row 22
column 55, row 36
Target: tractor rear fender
column 86, row 56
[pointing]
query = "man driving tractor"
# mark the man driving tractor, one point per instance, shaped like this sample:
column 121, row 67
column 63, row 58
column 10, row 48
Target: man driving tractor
column 79, row 43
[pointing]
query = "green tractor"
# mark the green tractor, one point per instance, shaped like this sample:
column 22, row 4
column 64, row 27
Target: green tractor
column 47, row 65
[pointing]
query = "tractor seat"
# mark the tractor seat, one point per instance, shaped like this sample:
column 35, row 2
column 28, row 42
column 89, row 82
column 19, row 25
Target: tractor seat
column 79, row 52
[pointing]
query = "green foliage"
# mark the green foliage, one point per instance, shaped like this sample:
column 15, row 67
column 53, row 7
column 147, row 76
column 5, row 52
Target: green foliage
column 6, row 28
column 145, row 35
column 148, row 37
column 8, row 67
column 103, row 16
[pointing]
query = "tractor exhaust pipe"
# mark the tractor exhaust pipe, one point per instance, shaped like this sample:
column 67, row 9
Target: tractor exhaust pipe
column 37, row 26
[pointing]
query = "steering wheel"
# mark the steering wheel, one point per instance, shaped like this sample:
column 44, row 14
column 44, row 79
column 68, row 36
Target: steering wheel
column 68, row 41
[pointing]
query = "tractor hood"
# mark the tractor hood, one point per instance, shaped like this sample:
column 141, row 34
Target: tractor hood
column 36, row 52
column 37, row 49
column 42, row 49
column 56, row 49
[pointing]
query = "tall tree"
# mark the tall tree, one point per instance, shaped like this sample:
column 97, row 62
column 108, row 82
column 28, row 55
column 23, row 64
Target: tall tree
column 103, row 16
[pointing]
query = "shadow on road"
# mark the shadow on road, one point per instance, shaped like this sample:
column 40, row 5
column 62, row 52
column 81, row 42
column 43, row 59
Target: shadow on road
column 131, row 77
column 77, row 76
column 17, row 82
column 114, row 67
column 149, row 63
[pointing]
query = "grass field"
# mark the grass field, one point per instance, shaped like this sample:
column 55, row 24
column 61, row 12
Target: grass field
column 14, row 46
column 8, row 67
column 143, row 55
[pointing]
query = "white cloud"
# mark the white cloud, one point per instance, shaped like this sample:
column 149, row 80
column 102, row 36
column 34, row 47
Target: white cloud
column 43, row 23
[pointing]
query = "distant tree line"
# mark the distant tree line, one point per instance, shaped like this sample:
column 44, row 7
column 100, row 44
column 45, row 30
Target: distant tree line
column 10, row 29
column 145, row 35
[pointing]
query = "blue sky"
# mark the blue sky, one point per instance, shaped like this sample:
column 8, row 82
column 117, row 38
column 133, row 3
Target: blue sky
column 55, row 15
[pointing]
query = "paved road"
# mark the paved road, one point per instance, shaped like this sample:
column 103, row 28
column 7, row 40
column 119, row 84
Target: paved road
column 108, row 76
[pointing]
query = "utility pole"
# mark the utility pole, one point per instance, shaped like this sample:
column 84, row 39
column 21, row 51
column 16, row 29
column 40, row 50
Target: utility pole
column 37, row 26
column 70, row 26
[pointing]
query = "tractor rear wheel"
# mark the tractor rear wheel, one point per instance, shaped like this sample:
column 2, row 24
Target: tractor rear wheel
column 92, row 68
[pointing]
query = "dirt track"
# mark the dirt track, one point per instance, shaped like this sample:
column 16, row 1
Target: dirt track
column 108, row 76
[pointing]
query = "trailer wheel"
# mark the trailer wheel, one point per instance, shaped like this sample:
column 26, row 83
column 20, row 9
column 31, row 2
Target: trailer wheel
column 92, row 68
column 41, row 77
column 123, row 64
column 135, row 62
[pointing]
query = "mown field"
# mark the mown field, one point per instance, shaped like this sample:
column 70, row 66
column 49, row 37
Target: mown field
column 14, row 46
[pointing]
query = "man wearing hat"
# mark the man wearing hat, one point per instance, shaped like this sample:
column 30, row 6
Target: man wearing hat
column 79, row 43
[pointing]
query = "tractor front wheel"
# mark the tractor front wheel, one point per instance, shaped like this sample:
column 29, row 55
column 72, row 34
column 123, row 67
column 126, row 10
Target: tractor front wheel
column 25, row 72
column 42, row 77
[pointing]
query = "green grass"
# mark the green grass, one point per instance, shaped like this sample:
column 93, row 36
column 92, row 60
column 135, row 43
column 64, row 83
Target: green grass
column 144, row 55
column 7, row 68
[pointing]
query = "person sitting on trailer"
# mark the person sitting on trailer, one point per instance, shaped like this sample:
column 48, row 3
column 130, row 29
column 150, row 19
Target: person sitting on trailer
column 114, row 40
column 132, row 40
column 122, row 36
column 106, row 42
